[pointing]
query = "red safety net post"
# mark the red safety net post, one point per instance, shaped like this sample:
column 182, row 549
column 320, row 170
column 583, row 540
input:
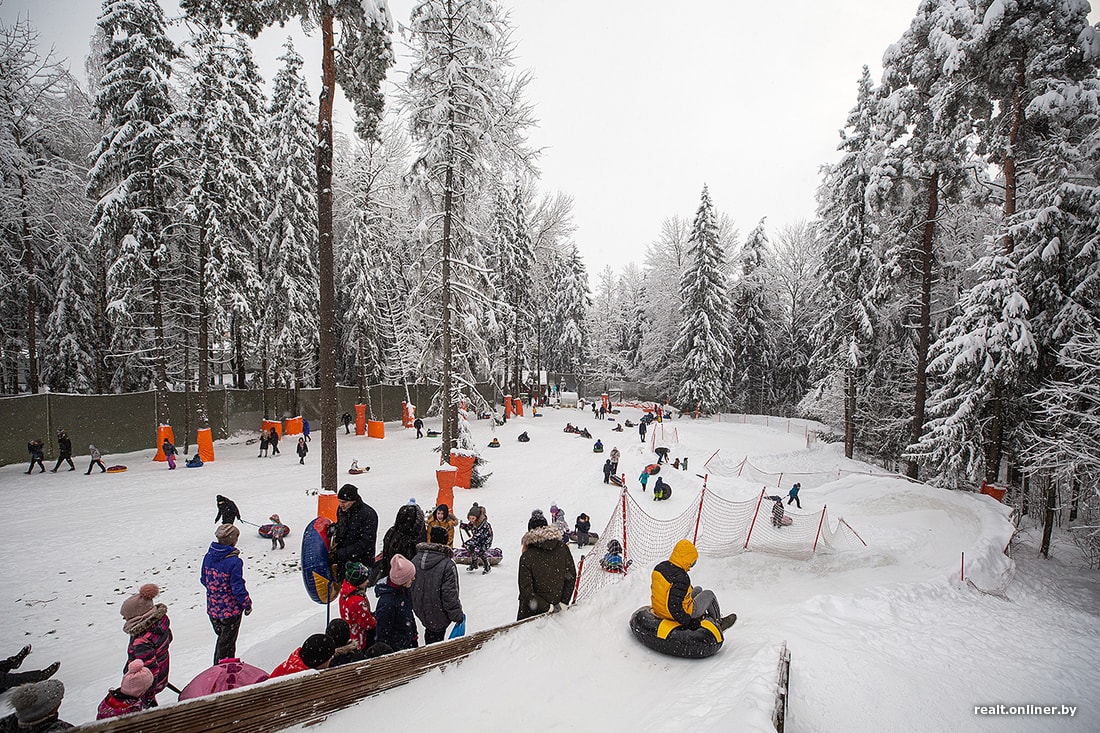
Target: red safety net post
column 845, row 523
column 699, row 514
column 622, row 502
column 962, row 566
column 819, row 523
column 779, row 483
column 712, row 455
column 742, row 466
column 577, row 583
column 163, row 431
column 360, row 419
column 754, row 515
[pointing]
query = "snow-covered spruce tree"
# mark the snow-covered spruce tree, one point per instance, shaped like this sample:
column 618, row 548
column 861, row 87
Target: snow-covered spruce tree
column 606, row 322
column 289, row 268
column 44, row 144
column 513, row 262
column 1002, row 343
column 464, row 114
column 927, row 112
column 365, row 54
column 566, row 339
column 795, row 261
column 224, row 205
column 133, row 174
column 752, row 330
column 705, row 344
column 664, row 263
column 849, row 263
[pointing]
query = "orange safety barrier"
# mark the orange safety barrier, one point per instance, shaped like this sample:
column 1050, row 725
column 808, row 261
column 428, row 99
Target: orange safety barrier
column 293, row 426
column 605, row 400
column 407, row 411
column 517, row 405
column 507, row 406
column 991, row 490
column 465, row 469
column 376, row 429
column 206, row 445
column 277, row 424
column 360, row 419
column 163, row 431
column 445, row 476
column 327, row 504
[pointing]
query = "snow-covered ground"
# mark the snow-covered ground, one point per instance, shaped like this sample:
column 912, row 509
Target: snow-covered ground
column 883, row 639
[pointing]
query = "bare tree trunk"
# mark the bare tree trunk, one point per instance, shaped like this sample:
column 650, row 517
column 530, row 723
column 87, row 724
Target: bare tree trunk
column 327, row 357
column 924, row 330
column 1048, row 518
column 238, row 347
column 102, row 341
column 849, row 411
column 204, row 331
column 32, row 294
column 450, row 409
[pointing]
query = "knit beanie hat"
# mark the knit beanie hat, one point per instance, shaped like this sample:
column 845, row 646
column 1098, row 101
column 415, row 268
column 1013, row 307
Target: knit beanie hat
column 316, row 650
column 140, row 603
column 536, row 521
column 36, row 701
column 475, row 511
column 227, row 534
column 275, row 518
column 356, row 573
column 348, row 492
column 137, row 680
column 339, row 631
column 401, row 570
column 438, row 536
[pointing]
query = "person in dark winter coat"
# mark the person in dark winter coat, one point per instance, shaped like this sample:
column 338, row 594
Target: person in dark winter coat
column 435, row 598
column 128, row 697
column 607, row 471
column 419, row 425
column 777, row 512
column 305, row 430
column 302, row 450
column 394, row 610
column 36, row 705
column 169, row 453
column 673, row 596
column 64, row 451
column 195, row 461
column 401, row 539
column 355, row 606
column 263, row 444
column 547, row 573
column 661, row 490
column 226, row 595
column 150, row 636
column 347, row 651
column 662, row 455
column 481, row 537
column 347, row 423
column 612, row 561
column 792, row 495
column 583, row 527
column 614, row 457
column 355, row 533
column 273, row 441
column 641, row 429
column 9, row 679
column 441, row 517
column 36, row 448
column 316, row 652
column 228, row 513
column 97, row 460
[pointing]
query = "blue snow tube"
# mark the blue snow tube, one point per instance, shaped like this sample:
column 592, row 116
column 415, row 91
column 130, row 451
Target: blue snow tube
column 316, row 572
column 668, row 637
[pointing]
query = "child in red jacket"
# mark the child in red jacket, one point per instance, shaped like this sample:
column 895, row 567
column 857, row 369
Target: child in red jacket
column 354, row 606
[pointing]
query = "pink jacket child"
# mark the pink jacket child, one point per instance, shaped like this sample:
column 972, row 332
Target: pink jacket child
column 128, row 697
column 150, row 635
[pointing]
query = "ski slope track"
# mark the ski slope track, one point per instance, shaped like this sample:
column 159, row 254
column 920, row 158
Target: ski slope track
column 886, row 637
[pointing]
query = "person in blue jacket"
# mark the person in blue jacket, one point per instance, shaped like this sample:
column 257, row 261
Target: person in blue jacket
column 227, row 597
column 393, row 614
column 305, row 429
column 792, row 495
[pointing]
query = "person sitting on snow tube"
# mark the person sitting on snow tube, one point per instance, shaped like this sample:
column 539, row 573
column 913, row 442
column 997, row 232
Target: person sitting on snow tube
column 661, row 490
column 524, row 437
column 681, row 620
column 195, row 461
column 494, row 443
column 598, row 446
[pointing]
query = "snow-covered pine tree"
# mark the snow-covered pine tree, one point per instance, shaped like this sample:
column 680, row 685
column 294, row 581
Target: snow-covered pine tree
column 289, row 267
column 464, row 113
column 566, row 338
column 133, row 174
column 752, row 331
column 849, row 262
column 606, row 324
column 705, row 344
column 665, row 260
column 795, row 260
column 225, row 202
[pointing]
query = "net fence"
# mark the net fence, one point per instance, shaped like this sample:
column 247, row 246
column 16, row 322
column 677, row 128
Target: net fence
column 719, row 527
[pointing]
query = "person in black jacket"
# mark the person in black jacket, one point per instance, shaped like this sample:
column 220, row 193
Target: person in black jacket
column 65, row 451
column 347, row 423
column 35, row 448
column 228, row 512
column 547, row 572
column 407, row 531
column 273, row 441
column 355, row 533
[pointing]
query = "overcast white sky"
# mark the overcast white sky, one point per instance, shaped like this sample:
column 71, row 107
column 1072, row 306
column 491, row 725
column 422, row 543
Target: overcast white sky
column 642, row 101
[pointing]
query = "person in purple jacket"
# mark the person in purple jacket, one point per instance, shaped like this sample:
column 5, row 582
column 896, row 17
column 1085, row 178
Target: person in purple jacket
column 226, row 595
column 150, row 636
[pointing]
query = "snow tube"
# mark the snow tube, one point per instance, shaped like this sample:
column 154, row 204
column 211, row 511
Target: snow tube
column 266, row 531
column 592, row 537
column 115, row 469
column 316, row 573
column 357, row 471
column 668, row 637
column 462, row 556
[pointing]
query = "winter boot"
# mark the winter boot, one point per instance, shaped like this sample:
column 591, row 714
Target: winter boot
column 727, row 621
column 488, row 567
column 16, row 659
column 473, row 565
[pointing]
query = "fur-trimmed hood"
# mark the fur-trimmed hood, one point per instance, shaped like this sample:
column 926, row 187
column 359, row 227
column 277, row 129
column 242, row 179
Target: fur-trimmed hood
column 541, row 537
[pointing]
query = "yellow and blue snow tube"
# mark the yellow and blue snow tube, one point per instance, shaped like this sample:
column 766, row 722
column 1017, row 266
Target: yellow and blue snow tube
column 316, row 572
column 668, row 637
